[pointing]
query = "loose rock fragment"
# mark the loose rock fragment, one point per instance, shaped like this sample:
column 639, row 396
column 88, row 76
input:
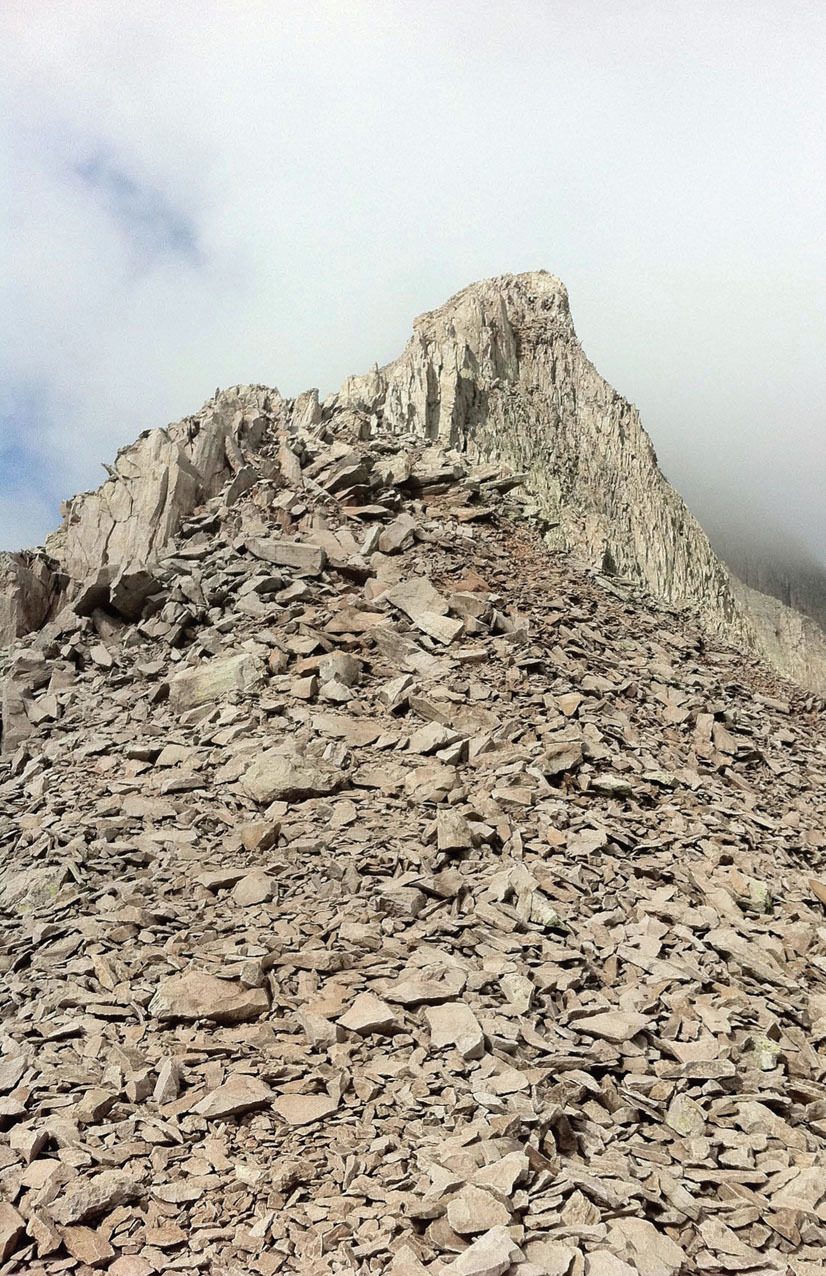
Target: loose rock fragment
column 213, row 679
column 454, row 1024
column 369, row 1014
column 87, row 1245
column 12, row 1230
column 490, row 1255
column 237, row 1095
column 276, row 777
column 197, row 995
column 475, row 1210
column 303, row 1109
column 616, row 1025
column 86, row 1198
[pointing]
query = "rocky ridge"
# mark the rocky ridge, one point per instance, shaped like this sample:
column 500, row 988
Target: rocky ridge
column 496, row 373
column 384, row 894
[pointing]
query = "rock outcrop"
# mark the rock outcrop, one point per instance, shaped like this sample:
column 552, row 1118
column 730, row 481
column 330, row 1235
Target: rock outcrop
column 156, row 482
column 780, row 569
column 785, row 638
column 29, row 590
column 496, row 374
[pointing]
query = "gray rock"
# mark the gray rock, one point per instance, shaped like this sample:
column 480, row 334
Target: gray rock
column 28, row 594
column 213, row 679
column 86, row 1198
column 281, row 777
column 308, row 559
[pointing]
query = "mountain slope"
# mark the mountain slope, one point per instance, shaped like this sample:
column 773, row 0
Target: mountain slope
column 386, row 894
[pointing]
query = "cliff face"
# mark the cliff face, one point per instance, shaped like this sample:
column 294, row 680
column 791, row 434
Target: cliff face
column 786, row 639
column 497, row 373
column 28, row 589
column 781, row 570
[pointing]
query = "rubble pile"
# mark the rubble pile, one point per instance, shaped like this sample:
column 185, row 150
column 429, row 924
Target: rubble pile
column 382, row 893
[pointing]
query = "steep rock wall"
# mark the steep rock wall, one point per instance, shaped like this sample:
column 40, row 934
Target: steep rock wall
column 28, row 592
column 498, row 371
column 787, row 639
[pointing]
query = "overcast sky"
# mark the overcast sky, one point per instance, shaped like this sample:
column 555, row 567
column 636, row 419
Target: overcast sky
column 204, row 193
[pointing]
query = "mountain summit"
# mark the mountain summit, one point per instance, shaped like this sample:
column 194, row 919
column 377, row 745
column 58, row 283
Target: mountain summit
column 496, row 374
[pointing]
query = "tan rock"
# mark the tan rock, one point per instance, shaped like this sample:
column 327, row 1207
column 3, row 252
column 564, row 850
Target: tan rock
column 452, row 831
column 406, row 1262
column 431, row 737
column 212, row 680
column 647, row 1247
column 87, row 1245
column 612, row 1025
column 804, row 1191
column 276, row 776
column 503, row 1175
column 489, row 1255
column 420, row 992
column 28, row 1142
column 417, row 597
column 12, row 1230
column 476, row 1210
column 197, row 995
column 218, row 879
column 168, row 1084
column 319, row 1031
column 454, row 1025
column 561, row 756
column 304, row 1109
column 601, row 1263
column 552, row 1258
column 254, row 888
column 308, row 559
column 130, row 1265
column 685, row 1116
column 43, row 1232
column 28, row 592
column 260, row 836
column 239, row 1094
column 86, row 1198
column 369, row 1014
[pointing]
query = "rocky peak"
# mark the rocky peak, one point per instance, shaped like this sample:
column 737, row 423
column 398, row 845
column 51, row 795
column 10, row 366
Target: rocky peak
column 498, row 374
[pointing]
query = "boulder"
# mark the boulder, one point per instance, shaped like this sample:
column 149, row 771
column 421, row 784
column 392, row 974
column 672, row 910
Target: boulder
column 197, row 995
column 240, row 1094
column 213, row 679
column 86, row 1198
column 276, row 776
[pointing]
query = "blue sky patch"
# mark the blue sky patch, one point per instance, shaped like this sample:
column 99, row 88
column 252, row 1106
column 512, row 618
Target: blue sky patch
column 153, row 224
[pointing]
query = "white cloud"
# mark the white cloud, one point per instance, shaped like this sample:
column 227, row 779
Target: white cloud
column 204, row 193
